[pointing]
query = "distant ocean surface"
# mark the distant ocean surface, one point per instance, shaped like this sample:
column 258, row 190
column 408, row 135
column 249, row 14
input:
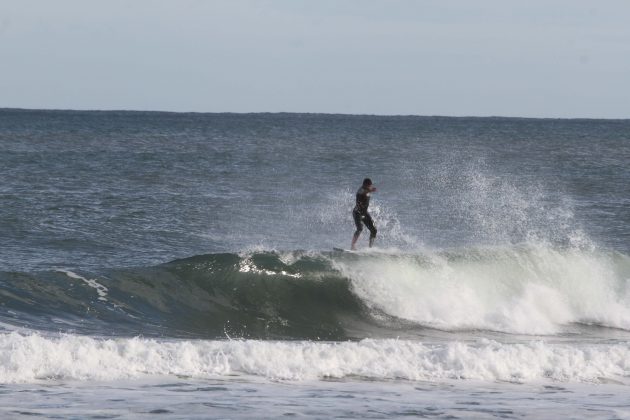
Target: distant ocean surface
column 182, row 265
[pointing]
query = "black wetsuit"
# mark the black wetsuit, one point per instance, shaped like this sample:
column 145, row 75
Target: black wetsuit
column 360, row 212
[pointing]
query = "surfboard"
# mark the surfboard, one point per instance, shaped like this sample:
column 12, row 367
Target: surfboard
column 342, row 250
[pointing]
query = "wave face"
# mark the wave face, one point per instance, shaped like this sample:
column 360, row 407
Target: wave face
column 331, row 295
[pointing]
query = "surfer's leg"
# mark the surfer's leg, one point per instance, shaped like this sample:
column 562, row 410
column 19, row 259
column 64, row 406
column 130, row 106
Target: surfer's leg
column 357, row 221
column 367, row 219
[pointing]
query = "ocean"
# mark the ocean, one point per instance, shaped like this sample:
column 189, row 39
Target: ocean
column 186, row 265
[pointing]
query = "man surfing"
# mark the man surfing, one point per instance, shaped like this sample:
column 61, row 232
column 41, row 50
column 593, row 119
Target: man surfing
column 360, row 212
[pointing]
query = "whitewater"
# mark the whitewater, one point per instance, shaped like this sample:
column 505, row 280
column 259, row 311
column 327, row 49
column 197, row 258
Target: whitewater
column 183, row 265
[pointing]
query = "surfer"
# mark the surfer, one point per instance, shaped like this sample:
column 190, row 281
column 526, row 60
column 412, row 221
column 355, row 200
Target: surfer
column 360, row 212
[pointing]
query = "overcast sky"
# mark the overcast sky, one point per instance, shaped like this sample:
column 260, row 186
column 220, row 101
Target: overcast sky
column 484, row 57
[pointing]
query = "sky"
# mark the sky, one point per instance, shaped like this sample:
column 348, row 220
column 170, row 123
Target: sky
column 551, row 58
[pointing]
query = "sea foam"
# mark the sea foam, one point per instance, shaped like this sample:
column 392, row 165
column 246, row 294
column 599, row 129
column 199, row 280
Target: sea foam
column 33, row 357
column 530, row 290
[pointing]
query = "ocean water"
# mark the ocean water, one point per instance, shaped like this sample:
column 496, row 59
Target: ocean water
column 182, row 266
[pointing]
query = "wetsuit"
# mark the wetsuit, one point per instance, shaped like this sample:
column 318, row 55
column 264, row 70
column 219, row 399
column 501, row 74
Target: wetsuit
column 360, row 212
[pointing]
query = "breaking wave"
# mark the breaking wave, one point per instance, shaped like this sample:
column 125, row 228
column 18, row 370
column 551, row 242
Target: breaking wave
column 330, row 295
column 33, row 357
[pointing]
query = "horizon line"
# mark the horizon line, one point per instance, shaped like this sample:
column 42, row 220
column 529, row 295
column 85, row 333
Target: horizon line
column 303, row 113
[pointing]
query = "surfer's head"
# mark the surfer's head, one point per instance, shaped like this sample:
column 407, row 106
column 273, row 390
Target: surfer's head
column 367, row 182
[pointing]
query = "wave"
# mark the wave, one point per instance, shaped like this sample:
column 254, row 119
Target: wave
column 331, row 295
column 72, row 357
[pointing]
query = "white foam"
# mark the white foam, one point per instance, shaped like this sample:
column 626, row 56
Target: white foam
column 30, row 358
column 100, row 289
column 530, row 291
column 246, row 265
